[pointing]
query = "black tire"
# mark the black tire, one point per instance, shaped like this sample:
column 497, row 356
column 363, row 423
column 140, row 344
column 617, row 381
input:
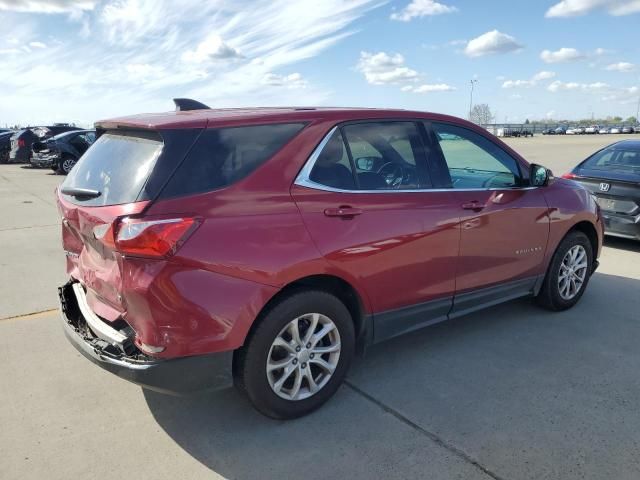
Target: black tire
column 549, row 296
column 61, row 165
column 250, row 370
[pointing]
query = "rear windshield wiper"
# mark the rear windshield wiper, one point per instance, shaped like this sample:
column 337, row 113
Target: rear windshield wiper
column 81, row 193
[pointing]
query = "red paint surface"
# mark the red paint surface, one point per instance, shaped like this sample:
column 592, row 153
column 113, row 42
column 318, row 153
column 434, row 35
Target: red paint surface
column 264, row 232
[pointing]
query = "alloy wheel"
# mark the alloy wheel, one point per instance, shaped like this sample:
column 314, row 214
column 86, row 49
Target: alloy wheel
column 68, row 164
column 303, row 356
column 573, row 272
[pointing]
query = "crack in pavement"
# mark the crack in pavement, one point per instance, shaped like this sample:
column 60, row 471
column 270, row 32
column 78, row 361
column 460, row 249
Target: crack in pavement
column 432, row 436
column 10, row 229
column 27, row 316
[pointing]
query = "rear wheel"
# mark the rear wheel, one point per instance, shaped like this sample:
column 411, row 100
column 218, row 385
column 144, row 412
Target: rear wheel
column 298, row 355
column 568, row 273
column 66, row 164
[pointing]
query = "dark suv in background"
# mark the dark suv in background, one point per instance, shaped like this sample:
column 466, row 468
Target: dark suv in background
column 23, row 140
column 61, row 152
column 267, row 246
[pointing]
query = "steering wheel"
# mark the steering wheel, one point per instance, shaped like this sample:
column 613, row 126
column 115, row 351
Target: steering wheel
column 393, row 173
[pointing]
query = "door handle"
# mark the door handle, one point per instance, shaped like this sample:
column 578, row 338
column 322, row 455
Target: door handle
column 345, row 212
column 474, row 205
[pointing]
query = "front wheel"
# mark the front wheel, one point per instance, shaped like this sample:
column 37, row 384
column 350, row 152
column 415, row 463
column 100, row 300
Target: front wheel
column 298, row 355
column 568, row 273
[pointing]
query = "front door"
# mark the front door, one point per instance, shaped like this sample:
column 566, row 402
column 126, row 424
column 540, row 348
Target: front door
column 504, row 223
column 366, row 205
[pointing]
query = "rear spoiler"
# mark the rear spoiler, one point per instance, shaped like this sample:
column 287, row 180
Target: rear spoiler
column 186, row 104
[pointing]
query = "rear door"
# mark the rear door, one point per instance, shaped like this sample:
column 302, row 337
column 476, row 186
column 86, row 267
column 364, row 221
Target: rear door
column 364, row 196
column 504, row 223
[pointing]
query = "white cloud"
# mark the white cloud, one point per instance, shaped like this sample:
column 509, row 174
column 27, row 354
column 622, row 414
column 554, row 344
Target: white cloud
column 427, row 88
column 621, row 67
column 538, row 77
column 558, row 86
column 37, row 45
column 140, row 44
column 572, row 8
column 550, row 114
column 422, row 8
column 623, row 96
column 561, row 56
column 544, row 75
column 382, row 69
column 491, row 43
column 47, row 6
column 293, row 80
column 602, row 51
column 212, row 48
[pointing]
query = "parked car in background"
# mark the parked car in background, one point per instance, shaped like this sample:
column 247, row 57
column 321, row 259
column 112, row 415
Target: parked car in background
column 560, row 130
column 627, row 129
column 5, row 145
column 548, row 131
column 571, row 131
column 592, row 129
column 268, row 246
column 604, row 130
column 636, row 129
column 613, row 176
column 61, row 152
column 579, row 130
column 22, row 141
column 615, row 130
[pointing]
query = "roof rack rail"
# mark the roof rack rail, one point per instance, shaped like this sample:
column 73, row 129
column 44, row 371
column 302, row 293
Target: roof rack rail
column 186, row 104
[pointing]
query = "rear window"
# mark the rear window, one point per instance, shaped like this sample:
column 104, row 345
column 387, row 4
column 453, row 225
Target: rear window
column 223, row 156
column 117, row 165
column 614, row 159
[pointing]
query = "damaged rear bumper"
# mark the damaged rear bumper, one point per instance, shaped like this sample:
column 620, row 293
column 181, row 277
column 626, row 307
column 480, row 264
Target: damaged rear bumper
column 114, row 351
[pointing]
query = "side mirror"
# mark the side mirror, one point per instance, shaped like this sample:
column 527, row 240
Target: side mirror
column 538, row 175
column 365, row 163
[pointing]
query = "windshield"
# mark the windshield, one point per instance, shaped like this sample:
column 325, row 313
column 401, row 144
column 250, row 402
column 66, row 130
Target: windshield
column 117, row 165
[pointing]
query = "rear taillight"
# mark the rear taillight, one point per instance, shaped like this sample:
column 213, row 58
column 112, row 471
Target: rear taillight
column 145, row 237
column 570, row 175
column 21, row 142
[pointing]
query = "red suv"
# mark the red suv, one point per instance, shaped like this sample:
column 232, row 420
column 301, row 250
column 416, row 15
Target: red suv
column 265, row 247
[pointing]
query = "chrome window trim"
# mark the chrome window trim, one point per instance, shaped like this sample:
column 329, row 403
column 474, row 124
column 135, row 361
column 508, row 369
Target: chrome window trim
column 304, row 178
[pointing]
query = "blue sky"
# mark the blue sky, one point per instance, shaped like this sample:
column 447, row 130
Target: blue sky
column 82, row 60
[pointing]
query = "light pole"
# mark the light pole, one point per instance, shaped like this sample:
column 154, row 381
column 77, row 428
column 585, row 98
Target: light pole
column 473, row 82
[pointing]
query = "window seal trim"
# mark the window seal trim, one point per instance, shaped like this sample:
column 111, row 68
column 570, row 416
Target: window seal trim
column 304, row 177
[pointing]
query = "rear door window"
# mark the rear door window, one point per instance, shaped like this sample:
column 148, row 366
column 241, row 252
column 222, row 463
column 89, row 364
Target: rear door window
column 117, row 165
column 387, row 155
column 223, row 156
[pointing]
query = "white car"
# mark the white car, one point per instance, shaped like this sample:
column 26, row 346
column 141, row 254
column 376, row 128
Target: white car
column 571, row 131
column 603, row 130
column 579, row 130
column 592, row 129
column 615, row 130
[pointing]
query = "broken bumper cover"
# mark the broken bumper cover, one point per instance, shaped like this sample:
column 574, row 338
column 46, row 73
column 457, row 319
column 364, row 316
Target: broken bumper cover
column 43, row 161
column 174, row 376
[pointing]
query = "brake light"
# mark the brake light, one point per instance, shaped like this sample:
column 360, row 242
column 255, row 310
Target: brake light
column 21, row 142
column 570, row 175
column 143, row 237
column 152, row 238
